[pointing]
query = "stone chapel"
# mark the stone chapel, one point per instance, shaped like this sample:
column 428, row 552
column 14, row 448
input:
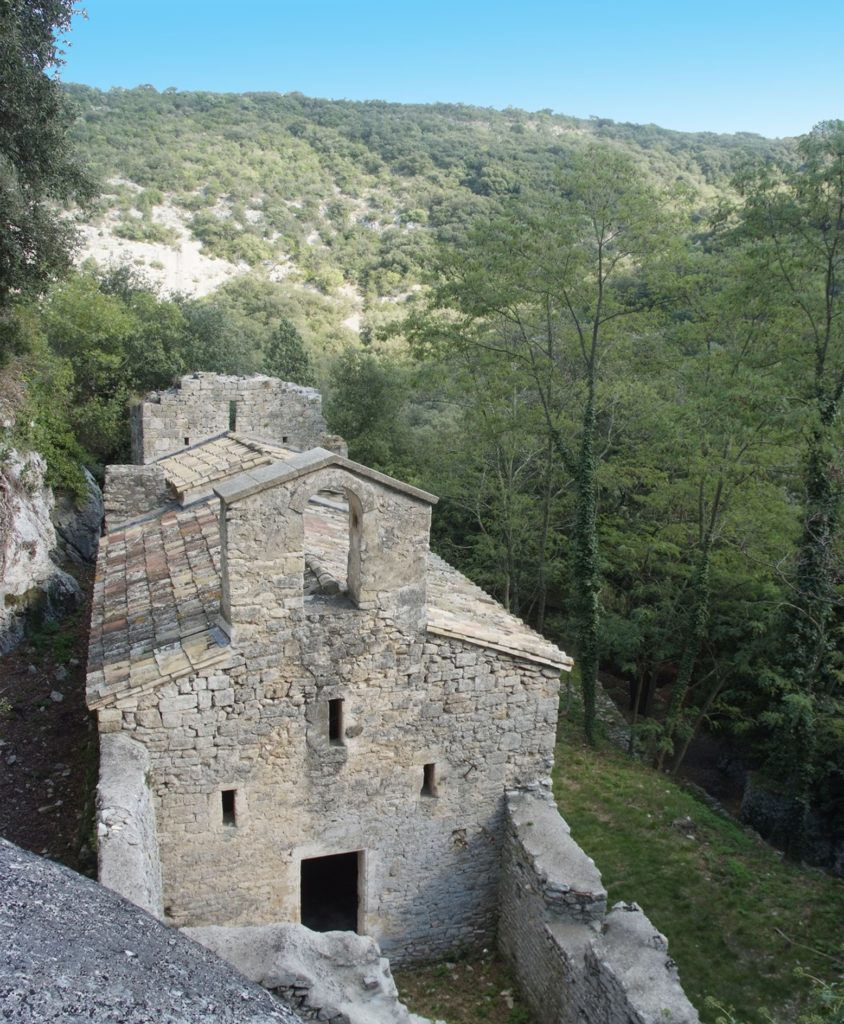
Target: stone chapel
column 307, row 717
column 331, row 713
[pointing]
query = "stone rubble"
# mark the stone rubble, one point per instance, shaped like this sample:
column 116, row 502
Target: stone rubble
column 338, row 977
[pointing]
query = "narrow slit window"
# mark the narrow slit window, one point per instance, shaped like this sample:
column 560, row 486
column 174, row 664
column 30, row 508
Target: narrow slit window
column 232, row 415
column 229, row 806
column 429, row 781
column 284, row 439
column 335, row 722
column 187, row 441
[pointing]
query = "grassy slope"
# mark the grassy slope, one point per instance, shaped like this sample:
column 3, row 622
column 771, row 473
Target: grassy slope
column 739, row 918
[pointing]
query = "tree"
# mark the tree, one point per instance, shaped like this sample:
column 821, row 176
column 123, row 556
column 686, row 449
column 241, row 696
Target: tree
column 285, row 356
column 498, row 479
column 37, row 167
column 723, row 390
column 364, row 403
column 795, row 217
column 555, row 286
column 213, row 341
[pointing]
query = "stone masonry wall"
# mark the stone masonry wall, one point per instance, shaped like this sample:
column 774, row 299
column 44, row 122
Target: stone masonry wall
column 263, row 541
column 430, row 864
column 573, row 961
column 260, row 726
column 131, row 492
column 199, row 408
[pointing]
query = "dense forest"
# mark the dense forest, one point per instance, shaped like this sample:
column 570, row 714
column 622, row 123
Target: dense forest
column 615, row 351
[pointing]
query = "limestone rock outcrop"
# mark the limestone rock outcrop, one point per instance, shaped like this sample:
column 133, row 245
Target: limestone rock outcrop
column 78, row 524
column 30, row 581
column 326, row 976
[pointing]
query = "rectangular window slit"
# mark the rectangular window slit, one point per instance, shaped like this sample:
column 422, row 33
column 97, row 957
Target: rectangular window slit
column 229, row 812
column 335, row 722
column 284, row 439
column 429, row 784
column 232, row 415
column 187, row 441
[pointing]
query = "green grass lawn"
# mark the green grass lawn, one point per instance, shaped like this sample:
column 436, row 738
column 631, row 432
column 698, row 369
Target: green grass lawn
column 740, row 920
column 476, row 989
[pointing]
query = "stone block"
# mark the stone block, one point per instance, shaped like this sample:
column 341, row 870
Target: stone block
column 184, row 702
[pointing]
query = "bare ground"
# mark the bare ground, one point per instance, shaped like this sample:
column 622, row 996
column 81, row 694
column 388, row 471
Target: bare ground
column 48, row 743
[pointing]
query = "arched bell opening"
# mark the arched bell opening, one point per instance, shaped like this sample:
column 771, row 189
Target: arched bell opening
column 333, row 522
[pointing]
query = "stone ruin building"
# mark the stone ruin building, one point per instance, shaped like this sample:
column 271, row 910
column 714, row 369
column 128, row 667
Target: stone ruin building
column 307, row 716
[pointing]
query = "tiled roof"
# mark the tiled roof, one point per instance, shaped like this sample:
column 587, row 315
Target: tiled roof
column 193, row 472
column 459, row 608
column 157, row 590
column 156, row 602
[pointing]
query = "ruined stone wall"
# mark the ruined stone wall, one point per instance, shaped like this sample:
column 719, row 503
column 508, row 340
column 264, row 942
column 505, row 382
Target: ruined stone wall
column 574, row 961
column 199, row 408
column 131, row 492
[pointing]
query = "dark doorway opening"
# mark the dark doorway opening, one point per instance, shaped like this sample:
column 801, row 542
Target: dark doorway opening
column 330, row 893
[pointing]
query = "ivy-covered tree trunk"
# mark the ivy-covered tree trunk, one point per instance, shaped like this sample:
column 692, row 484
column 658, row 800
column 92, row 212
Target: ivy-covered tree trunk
column 697, row 623
column 586, row 572
column 809, row 647
column 810, row 613
column 796, row 218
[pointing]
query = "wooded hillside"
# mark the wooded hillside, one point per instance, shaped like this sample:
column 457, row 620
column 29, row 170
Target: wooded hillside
column 615, row 351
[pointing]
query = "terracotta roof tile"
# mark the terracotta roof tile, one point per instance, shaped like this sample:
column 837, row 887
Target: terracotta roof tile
column 157, row 591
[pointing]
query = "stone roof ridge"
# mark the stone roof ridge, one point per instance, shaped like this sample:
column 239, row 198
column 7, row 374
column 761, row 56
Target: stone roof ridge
column 255, row 443
column 172, row 506
column 303, row 464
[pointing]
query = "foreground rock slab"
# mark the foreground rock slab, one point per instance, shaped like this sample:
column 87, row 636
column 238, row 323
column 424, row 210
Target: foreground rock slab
column 327, row 976
column 73, row 951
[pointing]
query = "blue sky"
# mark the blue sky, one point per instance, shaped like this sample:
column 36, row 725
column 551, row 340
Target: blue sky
column 769, row 67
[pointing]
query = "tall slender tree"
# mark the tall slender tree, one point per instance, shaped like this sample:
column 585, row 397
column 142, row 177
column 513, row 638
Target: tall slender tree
column 554, row 285
column 37, row 165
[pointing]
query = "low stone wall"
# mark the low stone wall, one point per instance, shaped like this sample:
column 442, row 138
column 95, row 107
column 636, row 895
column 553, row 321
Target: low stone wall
column 574, row 961
column 127, row 845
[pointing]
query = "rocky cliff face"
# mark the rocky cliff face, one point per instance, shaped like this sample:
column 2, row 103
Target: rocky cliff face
column 32, row 585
